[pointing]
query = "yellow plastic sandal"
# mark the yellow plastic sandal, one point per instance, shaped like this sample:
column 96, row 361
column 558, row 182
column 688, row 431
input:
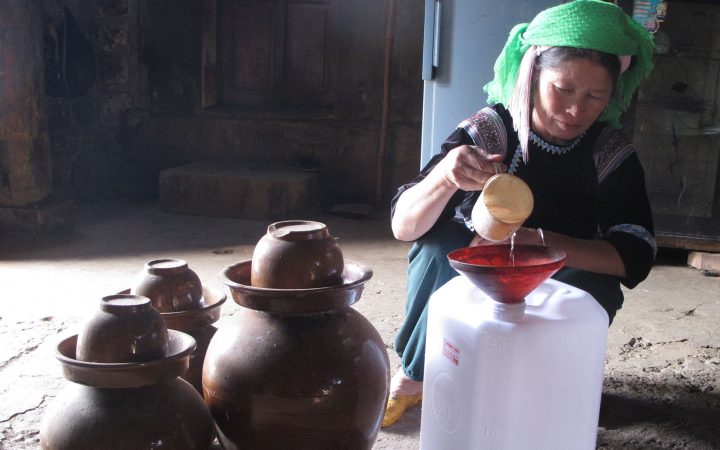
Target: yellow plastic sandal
column 396, row 407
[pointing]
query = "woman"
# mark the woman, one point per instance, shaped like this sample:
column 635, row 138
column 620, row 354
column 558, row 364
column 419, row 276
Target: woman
column 561, row 83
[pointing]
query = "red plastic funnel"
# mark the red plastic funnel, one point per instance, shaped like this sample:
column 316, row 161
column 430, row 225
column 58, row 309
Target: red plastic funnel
column 491, row 269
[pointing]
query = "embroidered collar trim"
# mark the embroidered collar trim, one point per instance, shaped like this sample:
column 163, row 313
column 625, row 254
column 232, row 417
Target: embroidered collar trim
column 545, row 146
column 554, row 149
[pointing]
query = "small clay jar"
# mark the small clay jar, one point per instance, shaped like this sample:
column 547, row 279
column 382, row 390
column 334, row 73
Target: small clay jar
column 198, row 323
column 126, row 328
column 119, row 406
column 297, row 254
column 504, row 204
column 170, row 284
column 168, row 415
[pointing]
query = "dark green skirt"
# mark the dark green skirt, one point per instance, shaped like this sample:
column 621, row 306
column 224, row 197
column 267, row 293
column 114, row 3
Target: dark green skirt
column 429, row 269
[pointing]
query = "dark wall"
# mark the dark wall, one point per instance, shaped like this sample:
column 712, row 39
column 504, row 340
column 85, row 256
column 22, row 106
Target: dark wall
column 144, row 112
column 169, row 55
column 86, row 146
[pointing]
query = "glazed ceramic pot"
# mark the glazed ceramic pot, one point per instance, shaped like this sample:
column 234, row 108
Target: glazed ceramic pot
column 184, row 303
column 298, row 369
column 169, row 415
column 170, row 284
column 120, row 406
column 198, row 323
column 296, row 254
column 125, row 328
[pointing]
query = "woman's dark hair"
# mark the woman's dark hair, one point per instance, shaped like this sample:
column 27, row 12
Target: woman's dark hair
column 555, row 57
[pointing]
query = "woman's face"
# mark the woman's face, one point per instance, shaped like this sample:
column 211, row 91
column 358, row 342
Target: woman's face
column 570, row 99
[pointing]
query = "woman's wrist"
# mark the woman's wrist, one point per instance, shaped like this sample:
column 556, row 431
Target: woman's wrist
column 446, row 180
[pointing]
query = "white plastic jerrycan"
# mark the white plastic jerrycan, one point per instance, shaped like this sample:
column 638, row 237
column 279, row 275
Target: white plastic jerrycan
column 518, row 376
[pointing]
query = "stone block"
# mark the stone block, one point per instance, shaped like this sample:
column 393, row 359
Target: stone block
column 51, row 216
column 220, row 188
column 708, row 263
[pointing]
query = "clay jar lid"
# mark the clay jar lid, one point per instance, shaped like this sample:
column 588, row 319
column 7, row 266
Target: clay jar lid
column 297, row 254
column 125, row 328
column 130, row 374
column 295, row 301
column 170, row 284
column 192, row 319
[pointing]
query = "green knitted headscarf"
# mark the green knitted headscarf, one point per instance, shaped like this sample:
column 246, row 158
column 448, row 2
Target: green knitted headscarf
column 589, row 24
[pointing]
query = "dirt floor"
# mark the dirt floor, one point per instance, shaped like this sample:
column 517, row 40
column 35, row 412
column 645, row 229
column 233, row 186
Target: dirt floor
column 662, row 378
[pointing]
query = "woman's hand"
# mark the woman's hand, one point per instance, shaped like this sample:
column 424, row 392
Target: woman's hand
column 468, row 167
column 593, row 255
column 465, row 167
column 479, row 240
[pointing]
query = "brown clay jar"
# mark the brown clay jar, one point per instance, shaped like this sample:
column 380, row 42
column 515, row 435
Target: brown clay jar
column 129, row 405
column 296, row 369
column 203, row 336
column 170, row 284
column 170, row 415
column 197, row 320
column 297, row 254
column 198, row 323
column 125, row 328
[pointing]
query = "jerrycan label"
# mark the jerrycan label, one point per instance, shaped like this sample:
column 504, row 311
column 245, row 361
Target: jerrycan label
column 451, row 352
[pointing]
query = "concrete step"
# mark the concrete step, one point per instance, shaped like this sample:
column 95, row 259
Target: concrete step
column 230, row 188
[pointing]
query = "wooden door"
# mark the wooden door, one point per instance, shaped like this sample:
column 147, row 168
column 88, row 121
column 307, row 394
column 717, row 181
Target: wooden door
column 275, row 53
